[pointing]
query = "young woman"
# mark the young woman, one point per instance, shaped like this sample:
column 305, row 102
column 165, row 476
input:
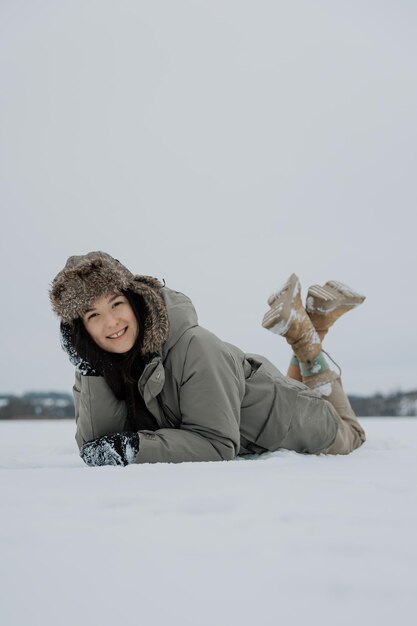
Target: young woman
column 151, row 385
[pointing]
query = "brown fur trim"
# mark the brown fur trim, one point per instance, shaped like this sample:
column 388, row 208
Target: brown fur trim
column 157, row 324
column 85, row 278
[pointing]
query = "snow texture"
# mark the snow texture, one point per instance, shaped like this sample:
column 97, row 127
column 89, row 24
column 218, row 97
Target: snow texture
column 279, row 539
column 315, row 368
column 324, row 390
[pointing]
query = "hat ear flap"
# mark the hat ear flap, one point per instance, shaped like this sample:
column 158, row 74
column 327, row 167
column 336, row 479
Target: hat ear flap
column 156, row 329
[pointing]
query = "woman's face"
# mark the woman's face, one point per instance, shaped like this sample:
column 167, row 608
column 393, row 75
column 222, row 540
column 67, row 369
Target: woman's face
column 111, row 323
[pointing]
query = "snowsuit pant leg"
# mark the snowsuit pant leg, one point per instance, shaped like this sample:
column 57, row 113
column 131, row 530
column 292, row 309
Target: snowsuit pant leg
column 350, row 434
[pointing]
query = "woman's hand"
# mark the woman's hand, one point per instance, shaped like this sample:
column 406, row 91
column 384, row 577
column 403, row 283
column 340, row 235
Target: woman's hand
column 117, row 449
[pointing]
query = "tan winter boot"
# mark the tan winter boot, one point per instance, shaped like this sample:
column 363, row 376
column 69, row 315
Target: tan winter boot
column 288, row 317
column 326, row 304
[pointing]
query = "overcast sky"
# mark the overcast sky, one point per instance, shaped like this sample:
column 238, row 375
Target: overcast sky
column 220, row 145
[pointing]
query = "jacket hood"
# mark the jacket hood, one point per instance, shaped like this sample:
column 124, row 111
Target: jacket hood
column 181, row 314
column 87, row 277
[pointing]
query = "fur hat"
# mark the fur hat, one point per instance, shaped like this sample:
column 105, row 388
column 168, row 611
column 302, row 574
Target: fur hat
column 87, row 277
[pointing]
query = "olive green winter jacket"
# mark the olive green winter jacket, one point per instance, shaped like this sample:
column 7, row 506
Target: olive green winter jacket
column 210, row 400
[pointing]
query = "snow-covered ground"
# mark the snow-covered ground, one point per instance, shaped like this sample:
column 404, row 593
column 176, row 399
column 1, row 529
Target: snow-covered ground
column 279, row 539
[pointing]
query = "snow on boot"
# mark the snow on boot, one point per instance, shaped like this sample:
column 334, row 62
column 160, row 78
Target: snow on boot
column 287, row 317
column 327, row 303
column 322, row 381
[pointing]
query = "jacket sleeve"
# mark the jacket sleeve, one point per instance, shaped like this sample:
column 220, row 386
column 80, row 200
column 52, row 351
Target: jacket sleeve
column 97, row 410
column 210, row 393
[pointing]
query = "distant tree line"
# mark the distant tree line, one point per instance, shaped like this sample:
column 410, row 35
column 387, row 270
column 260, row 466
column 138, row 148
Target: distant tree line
column 36, row 405
column 55, row 405
column 399, row 404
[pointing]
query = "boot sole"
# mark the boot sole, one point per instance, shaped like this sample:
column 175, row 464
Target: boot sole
column 332, row 296
column 282, row 311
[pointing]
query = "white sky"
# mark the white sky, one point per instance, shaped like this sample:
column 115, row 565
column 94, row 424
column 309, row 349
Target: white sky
column 220, row 145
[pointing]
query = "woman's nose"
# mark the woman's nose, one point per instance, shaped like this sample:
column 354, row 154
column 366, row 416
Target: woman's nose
column 111, row 320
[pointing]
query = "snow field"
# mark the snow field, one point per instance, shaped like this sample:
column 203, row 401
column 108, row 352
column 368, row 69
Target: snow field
column 281, row 538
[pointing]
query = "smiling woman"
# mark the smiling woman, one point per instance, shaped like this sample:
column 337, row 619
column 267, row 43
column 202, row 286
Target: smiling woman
column 152, row 385
column 111, row 323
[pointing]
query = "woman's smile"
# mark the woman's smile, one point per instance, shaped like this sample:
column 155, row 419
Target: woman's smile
column 119, row 334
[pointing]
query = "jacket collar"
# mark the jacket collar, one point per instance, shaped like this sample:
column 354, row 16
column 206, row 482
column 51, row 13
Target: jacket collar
column 182, row 316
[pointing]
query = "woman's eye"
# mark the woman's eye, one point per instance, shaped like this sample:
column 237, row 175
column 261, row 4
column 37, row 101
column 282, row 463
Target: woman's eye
column 91, row 316
column 117, row 303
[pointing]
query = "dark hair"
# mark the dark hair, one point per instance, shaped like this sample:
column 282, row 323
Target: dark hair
column 120, row 371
